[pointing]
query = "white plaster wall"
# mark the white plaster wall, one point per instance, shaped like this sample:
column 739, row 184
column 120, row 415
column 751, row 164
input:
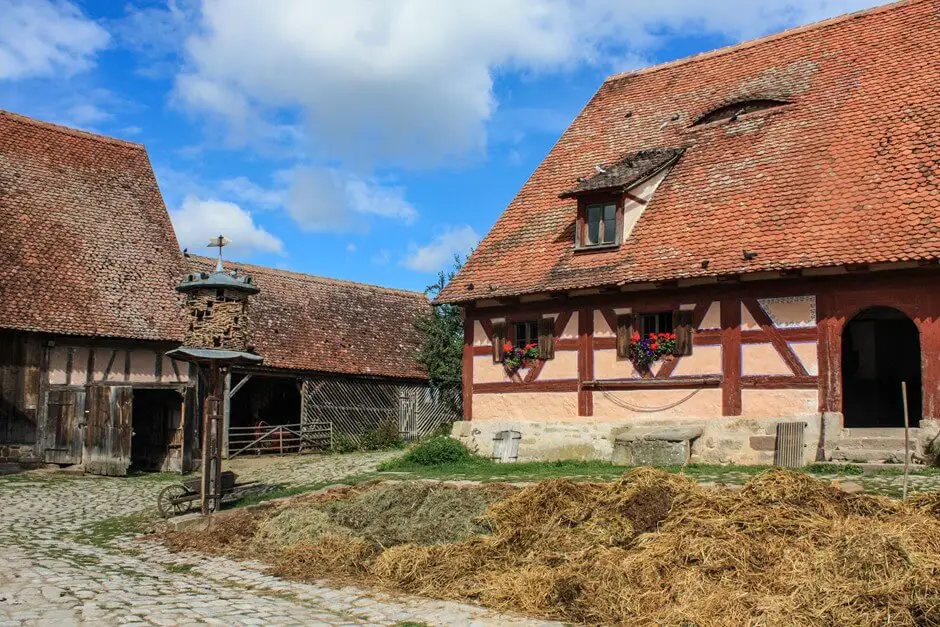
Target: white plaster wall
column 607, row 366
column 58, row 358
column 571, row 329
column 660, row 404
column 712, row 319
column 143, row 366
column 479, row 335
column 762, row 359
column 778, row 403
column 80, row 365
column 632, row 210
column 525, row 406
column 704, row 360
column 563, row 366
column 808, row 356
column 485, row 371
column 601, row 328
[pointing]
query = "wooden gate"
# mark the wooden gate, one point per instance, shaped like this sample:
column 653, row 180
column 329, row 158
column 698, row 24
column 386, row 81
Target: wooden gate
column 63, row 439
column 108, row 435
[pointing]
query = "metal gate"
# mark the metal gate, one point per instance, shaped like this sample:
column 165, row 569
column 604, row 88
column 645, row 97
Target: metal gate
column 355, row 407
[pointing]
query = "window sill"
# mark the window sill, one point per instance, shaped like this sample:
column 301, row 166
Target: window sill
column 595, row 248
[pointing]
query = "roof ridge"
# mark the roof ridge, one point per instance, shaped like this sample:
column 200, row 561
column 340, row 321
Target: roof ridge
column 306, row 276
column 742, row 45
column 68, row 130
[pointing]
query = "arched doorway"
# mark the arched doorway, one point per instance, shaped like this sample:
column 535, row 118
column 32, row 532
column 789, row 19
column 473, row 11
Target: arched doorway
column 880, row 349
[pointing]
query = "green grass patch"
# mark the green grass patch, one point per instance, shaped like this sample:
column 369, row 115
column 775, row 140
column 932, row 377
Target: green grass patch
column 102, row 532
column 918, row 471
column 834, row 469
column 179, row 568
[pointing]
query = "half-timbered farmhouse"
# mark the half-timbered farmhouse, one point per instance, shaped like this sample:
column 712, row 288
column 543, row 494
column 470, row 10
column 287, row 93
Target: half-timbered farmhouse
column 89, row 266
column 733, row 254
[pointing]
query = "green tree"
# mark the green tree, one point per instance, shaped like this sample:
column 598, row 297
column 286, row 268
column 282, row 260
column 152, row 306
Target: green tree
column 441, row 350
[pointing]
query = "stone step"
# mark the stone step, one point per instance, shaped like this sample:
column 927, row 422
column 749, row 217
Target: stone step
column 874, row 443
column 862, row 455
column 891, row 432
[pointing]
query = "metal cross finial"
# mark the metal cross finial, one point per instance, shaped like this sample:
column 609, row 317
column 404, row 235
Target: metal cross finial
column 219, row 242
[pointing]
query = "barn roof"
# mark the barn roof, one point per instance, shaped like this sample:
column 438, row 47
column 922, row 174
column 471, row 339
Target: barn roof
column 311, row 323
column 86, row 245
column 815, row 147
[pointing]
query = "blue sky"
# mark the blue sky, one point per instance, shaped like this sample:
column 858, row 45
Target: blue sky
column 367, row 140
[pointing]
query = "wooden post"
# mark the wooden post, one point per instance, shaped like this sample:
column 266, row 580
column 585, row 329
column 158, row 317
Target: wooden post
column 211, row 488
column 226, row 411
column 731, row 357
column 585, row 361
column 466, row 370
column 907, row 438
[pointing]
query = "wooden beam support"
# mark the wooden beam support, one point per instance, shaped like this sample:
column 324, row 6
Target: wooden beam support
column 776, row 338
column 731, row 357
column 505, row 387
column 466, row 368
column 585, row 361
column 232, row 390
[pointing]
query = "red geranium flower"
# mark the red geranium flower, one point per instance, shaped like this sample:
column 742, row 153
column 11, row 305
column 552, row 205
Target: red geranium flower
column 636, row 337
column 507, row 347
column 654, row 345
column 652, row 336
column 672, row 336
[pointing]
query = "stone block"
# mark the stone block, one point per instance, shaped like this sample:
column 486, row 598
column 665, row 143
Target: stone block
column 763, row 442
column 650, row 453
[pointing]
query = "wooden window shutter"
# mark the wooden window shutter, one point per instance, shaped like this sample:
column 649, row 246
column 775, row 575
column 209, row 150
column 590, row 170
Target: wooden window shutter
column 619, row 238
column 499, row 338
column 624, row 335
column 547, row 338
column 682, row 324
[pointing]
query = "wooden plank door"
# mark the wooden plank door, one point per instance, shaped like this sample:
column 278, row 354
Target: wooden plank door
column 108, row 434
column 64, row 419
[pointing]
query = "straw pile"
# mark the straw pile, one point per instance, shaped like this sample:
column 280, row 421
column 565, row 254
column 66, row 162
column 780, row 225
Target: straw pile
column 656, row 548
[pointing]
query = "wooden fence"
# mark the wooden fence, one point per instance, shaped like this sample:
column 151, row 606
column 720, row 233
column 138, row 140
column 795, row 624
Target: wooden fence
column 279, row 439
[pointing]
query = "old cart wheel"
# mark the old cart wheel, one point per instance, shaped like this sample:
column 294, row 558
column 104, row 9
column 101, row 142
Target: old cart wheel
column 174, row 500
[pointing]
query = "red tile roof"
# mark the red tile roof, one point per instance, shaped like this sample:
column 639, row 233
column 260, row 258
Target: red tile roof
column 86, row 245
column 311, row 323
column 848, row 171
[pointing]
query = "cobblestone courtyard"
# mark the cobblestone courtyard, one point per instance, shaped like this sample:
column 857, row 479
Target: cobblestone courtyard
column 53, row 575
column 55, row 571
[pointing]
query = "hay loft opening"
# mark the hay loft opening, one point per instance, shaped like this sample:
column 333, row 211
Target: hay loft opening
column 730, row 112
column 880, row 349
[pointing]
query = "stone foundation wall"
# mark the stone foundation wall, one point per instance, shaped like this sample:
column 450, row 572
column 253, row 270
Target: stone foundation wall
column 724, row 440
column 736, row 440
column 18, row 453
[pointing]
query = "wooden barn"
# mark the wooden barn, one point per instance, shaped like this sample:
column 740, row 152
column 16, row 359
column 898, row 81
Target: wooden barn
column 89, row 270
column 727, row 258
column 88, row 266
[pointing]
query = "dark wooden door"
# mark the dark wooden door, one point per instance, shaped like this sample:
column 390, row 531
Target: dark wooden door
column 63, row 437
column 108, row 434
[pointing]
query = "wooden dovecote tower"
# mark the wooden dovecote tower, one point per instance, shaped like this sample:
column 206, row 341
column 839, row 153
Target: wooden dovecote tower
column 215, row 338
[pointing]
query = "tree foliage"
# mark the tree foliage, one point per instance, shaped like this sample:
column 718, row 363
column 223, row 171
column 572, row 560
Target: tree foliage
column 441, row 351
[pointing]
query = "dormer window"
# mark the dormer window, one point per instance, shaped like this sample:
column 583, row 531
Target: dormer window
column 600, row 225
column 611, row 201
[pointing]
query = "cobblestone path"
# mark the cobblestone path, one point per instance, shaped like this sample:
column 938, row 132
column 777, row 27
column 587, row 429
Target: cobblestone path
column 53, row 573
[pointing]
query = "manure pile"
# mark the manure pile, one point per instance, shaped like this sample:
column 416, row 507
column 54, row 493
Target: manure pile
column 656, row 548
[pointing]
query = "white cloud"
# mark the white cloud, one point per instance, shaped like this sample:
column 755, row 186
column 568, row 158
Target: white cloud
column 251, row 193
column 197, row 220
column 323, row 199
column 46, row 37
column 87, row 113
column 440, row 252
column 411, row 81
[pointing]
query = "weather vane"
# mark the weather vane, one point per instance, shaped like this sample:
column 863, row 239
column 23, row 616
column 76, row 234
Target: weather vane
column 219, row 242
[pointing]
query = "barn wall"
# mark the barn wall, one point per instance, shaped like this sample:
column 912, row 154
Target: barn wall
column 19, row 395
